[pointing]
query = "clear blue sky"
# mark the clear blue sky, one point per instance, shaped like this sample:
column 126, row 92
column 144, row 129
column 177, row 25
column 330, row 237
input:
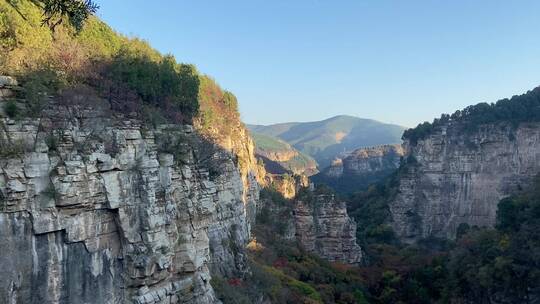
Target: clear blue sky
column 298, row 60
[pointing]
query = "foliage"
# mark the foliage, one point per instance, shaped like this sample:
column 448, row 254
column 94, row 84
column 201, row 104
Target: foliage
column 502, row 264
column 218, row 113
column 37, row 86
column 284, row 273
column 77, row 11
column 11, row 109
column 135, row 78
column 371, row 211
column 10, row 148
column 518, row 109
column 163, row 84
column 325, row 139
column 484, row 265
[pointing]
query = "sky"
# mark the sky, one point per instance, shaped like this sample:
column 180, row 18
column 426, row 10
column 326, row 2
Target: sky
column 400, row 61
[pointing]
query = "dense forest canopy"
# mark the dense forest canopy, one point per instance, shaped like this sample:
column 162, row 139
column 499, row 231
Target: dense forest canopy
column 518, row 109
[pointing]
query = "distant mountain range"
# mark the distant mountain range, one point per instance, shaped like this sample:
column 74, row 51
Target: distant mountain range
column 325, row 140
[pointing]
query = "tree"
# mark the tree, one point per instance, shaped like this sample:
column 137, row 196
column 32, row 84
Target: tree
column 54, row 11
column 77, row 11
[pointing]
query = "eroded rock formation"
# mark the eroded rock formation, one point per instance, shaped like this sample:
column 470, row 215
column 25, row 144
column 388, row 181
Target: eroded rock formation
column 367, row 161
column 96, row 208
column 323, row 227
column 361, row 168
column 456, row 176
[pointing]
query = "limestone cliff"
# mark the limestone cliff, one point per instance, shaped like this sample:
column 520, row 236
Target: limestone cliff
column 323, row 227
column 455, row 177
column 362, row 167
column 367, row 160
column 97, row 208
column 228, row 256
column 287, row 185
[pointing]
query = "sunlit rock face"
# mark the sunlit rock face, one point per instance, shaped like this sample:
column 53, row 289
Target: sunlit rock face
column 97, row 208
column 373, row 159
column 323, row 227
column 456, row 177
column 357, row 170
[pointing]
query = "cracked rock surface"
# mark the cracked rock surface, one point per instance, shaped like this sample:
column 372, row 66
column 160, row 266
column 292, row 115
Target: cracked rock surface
column 94, row 209
column 459, row 177
column 323, row 227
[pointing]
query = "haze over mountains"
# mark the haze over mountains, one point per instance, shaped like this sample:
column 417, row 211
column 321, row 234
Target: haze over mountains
column 326, row 139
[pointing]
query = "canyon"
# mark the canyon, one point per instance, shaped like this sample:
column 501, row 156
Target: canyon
column 95, row 207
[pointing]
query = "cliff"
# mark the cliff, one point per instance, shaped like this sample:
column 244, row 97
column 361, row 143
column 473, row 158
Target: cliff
column 456, row 176
column 323, row 227
column 362, row 167
column 279, row 157
column 96, row 207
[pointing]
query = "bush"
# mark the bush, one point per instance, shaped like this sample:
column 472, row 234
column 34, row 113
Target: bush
column 37, row 86
column 11, row 109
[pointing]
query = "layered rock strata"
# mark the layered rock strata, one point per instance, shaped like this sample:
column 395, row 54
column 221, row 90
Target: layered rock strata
column 97, row 208
column 455, row 176
column 367, row 161
column 323, row 227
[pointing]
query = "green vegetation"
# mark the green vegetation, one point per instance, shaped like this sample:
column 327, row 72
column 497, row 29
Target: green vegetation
column 270, row 144
column 54, row 12
column 11, row 109
column 282, row 271
column 518, row 109
column 267, row 147
column 348, row 183
column 483, row 265
column 325, row 139
column 11, row 149
column 84, row 52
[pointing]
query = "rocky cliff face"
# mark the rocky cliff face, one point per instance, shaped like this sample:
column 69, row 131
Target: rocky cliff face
column 367, row 161
column 323, row 227
column 361, row 168
column 279, row 157
column 96, row 208
column 456, row 177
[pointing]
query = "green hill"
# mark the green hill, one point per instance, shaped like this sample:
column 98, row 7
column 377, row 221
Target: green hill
column 324, row 140
column 95, row 60
column 279, row 157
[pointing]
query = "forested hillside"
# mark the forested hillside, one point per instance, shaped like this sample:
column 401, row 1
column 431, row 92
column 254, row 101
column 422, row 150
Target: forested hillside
column 279, row 157
column 518, row 109
column 136, row 79
column 326, row 139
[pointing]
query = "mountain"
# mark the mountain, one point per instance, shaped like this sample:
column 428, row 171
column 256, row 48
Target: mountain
column 324, row 140
column 279, row 157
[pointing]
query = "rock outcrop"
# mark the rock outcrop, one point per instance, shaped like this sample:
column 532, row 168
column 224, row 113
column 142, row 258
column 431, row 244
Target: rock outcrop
column 278, row 157
column 96, row 208
column 323, row 227
column 362, row 167
column 367, row 161
column 454, row 177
